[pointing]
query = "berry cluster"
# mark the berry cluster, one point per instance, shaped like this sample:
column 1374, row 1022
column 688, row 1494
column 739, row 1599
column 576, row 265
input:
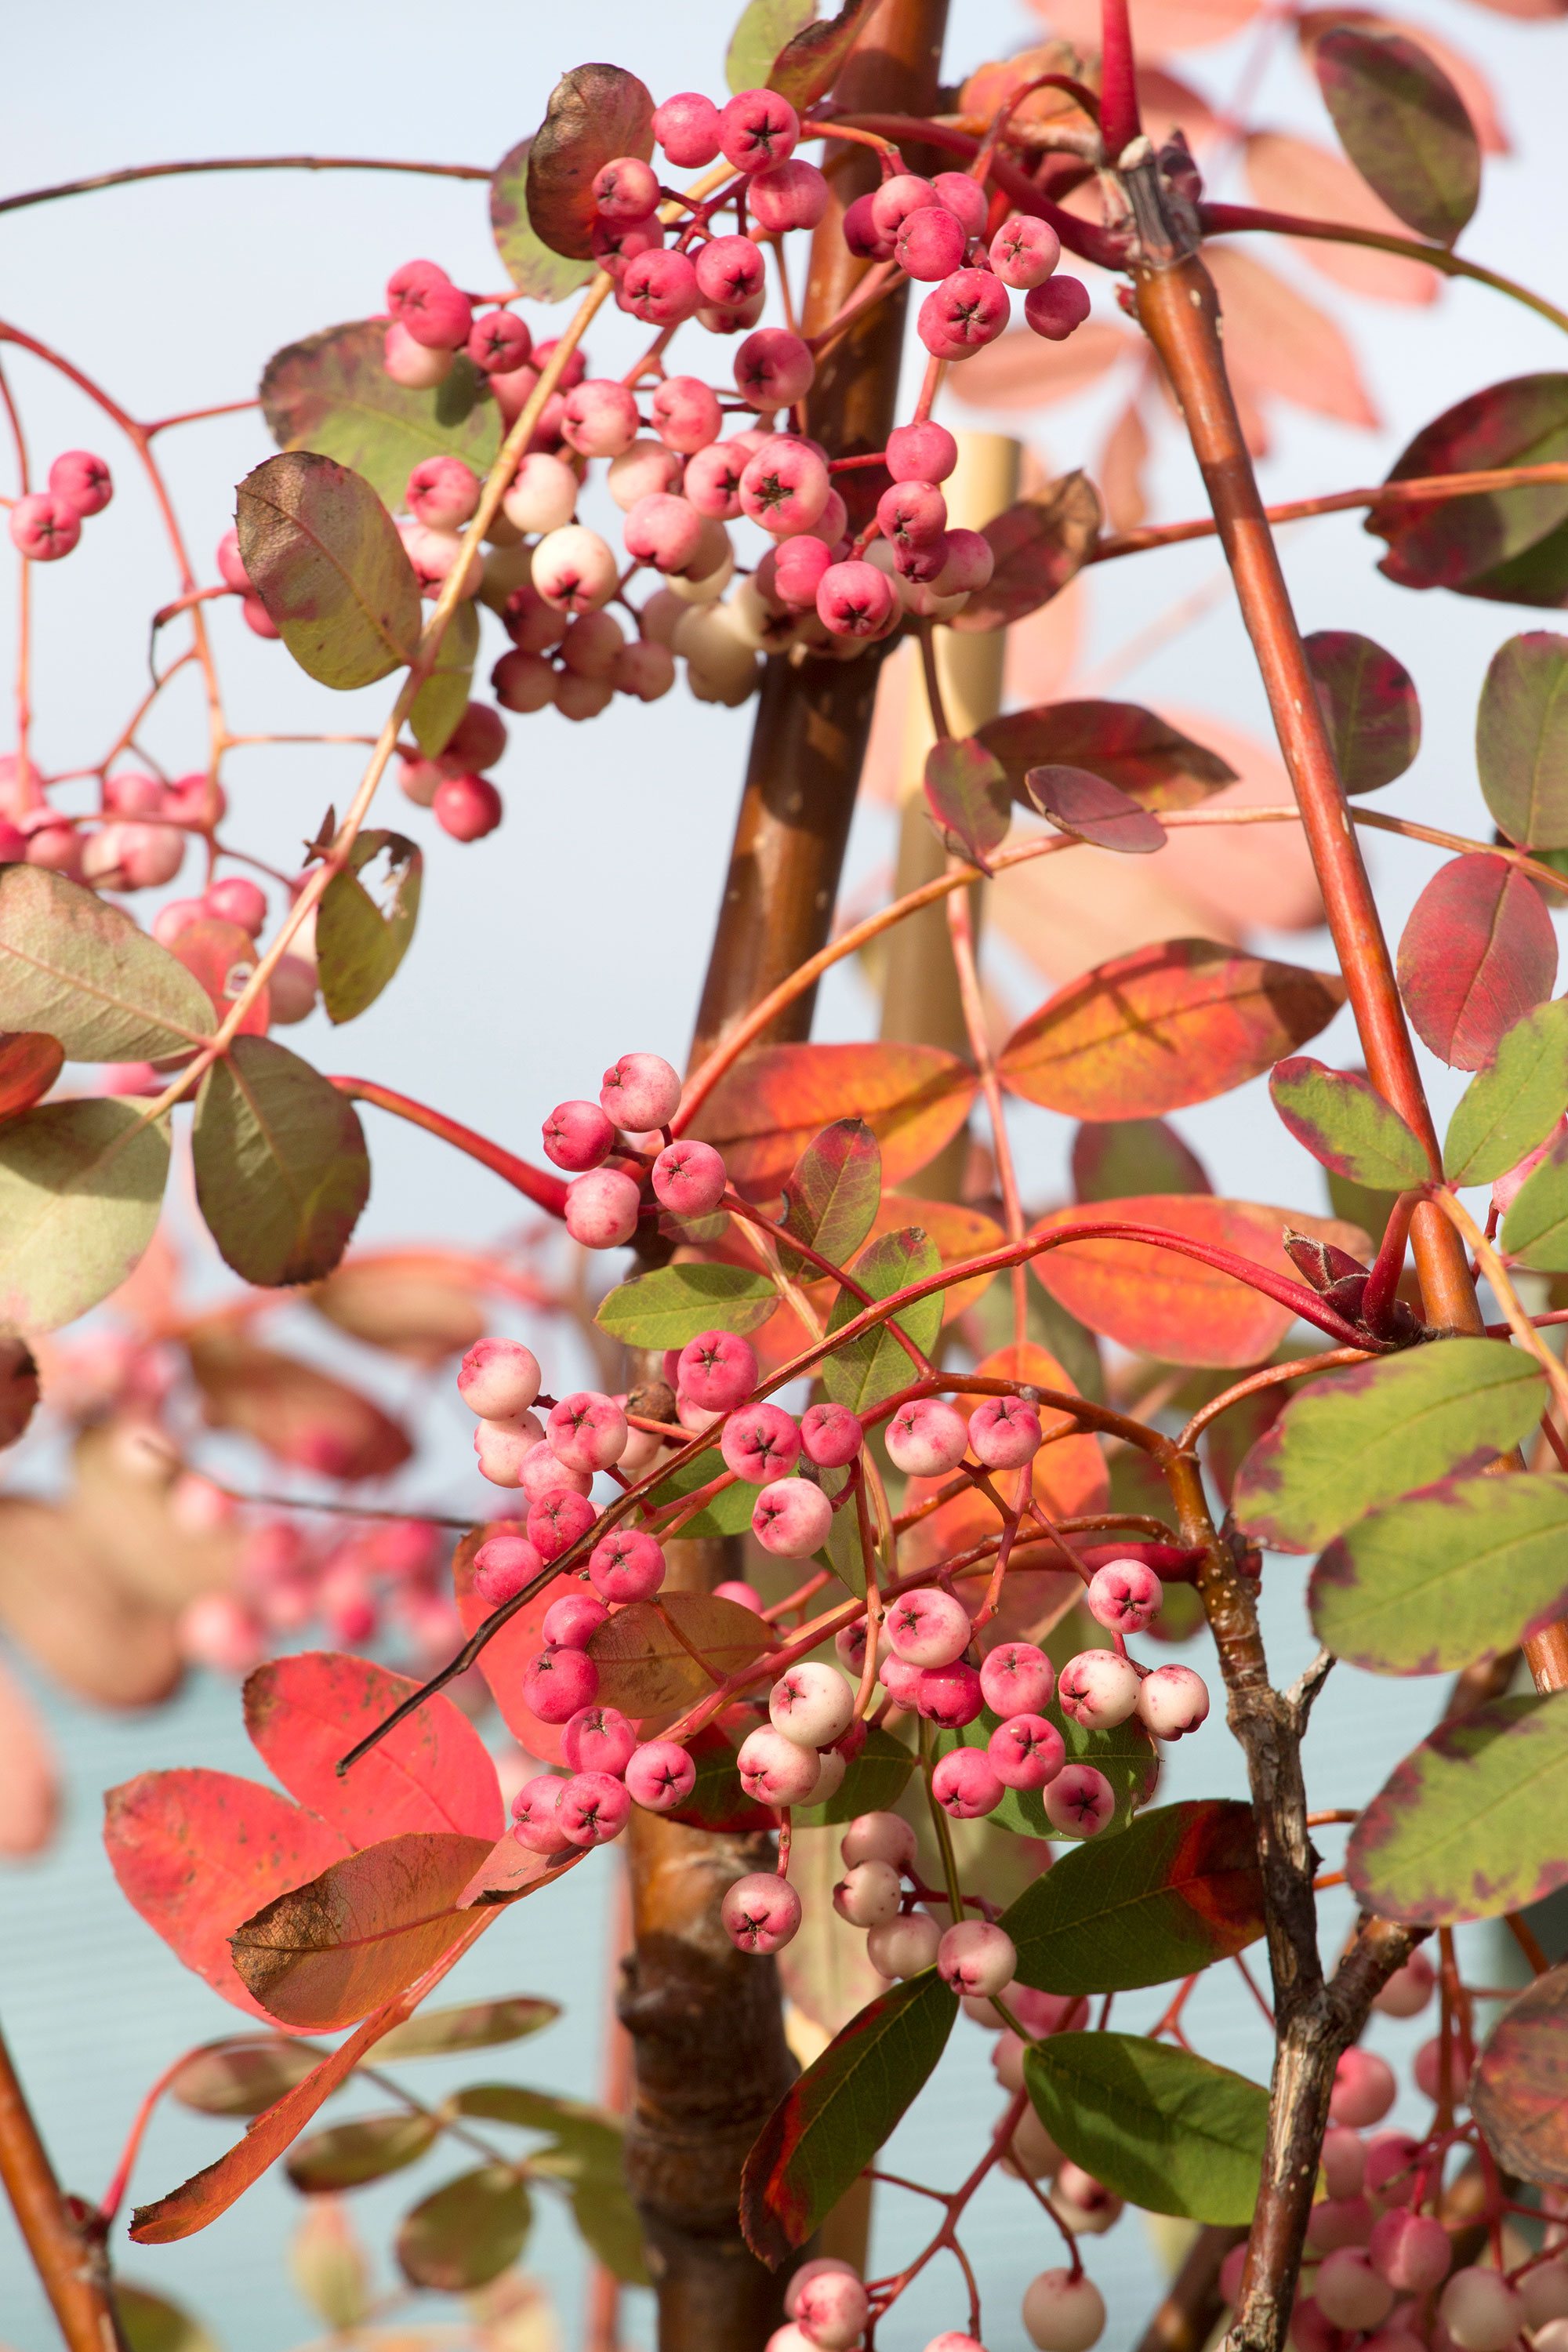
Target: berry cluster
column 46, row 524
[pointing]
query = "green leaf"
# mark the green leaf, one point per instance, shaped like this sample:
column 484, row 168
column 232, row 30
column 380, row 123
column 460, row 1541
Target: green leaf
column 764, row 28
column 1370, row 703
column 969, row 797
column 281, row 1164
column 74, row 966
column 348, row 2154
column 331, row 393
column 1535, row 1230
column 672, row 1305
column 829, row 2125
column 875, row 1365
column 1344, row 1123
column 842, row 1551
column 1168, row 2131
column 1473, row 1823
column 80, row 1188
column 528, row 261
column 469, row 2025
column 1514, row 1103
column 244, row 2076
column 831, row 1198
column 608, row 2224
column 1358, row 1438
column 595, row 113
column 466, row 2234
column 359, row 943
column 588, row 2142
column 325, row 559
column 1126, row 1755
column 1403, row 126
column 1446, row 1579
column 873, row 1784
column 1178, row 1889
column 444, row 697
column 729, row 1512
column 1522, row 739
column 150, row 2323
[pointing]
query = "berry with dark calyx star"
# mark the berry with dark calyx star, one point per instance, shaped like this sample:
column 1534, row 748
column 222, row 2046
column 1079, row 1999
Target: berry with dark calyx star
column 761, row 1913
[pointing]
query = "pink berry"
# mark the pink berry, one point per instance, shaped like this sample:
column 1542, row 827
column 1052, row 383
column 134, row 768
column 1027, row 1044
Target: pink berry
column 798, row 568
column 1364, row 2089
column 660, row 288
column 231, row 569
column 760, row 1443
column 1343, row 2161
column 645, row 670
column 640, row 1091
column 1349, row 2292
column 1003, row 1433
column 1017, row 1679
column 861, row 234
column 1125, row 1596
column 543, row 498
column 499, row 1379
column 83, row 481
column 1428, row 2071
column 442, row 492
column 535, row 1815
column 785, row 487
column 437, row 314
column 598, row 1739
column 1061, row 2312
column 966, row 197
column 1409, row 1988
column 970, row 562
column 855, row 600
column 685, row 412
column 1079, row 1799
column 407, row 282
column 773, row 369
column 928, row 1627
column 788, row 195
column 1337, row 2221
column 730, row 270
column 929, row 244
column 1024, row 251
column 586, row 1431
column 899, row 198
column 600, row 418
column 500, row 343
column 626, row 1565
column 1480, row 2311
column 761, row 1913
column 922, row 453
column 1098, row 1689
column 558, row 1682
column 1025, row 1751
column 914, row 514
column 558, row 1520
column 716, row 1369
column 774, row 1769
column 642, row 469
column 1172, row 1701
column 177, row 915
column 686, row 128
column 413, row 364
column 963, row 314
column 602, row 1209
column 581, row 698
column 595, row 1806
column 626, row 189
column 542, row 1475
column 757, row 129
column 830, row 1435
column 928, row 1437
column 577, row 1136
column 574, row 569
column 520, row 681
column 831, row 2310
column 792, row 1518
column 1411, row 2250
column 712, row 482
column 570, row 1623
column 467, row 807
column 964, row 1785
column 44, row 526
column 878, row 1837
column 688, row 1179
column 501, row 1448
column 663, row 530
column 1057, row 308
column 950, row 1696
column 238, row 901
column 744, row 1595
column 899, row 1680
column 503, row 1566
column 811, row 1703
column 977, row 1958
column 660, row 1776
column 868, row 1895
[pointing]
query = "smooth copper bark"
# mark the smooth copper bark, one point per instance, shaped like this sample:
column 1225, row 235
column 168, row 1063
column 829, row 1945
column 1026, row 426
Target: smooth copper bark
column 68, row 2260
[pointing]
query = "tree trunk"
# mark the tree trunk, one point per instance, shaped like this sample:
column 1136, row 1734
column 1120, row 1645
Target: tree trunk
column 705, row 2021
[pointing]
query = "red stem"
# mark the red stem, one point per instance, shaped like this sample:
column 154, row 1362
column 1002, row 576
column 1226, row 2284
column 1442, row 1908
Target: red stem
column 1118, row 118
column 547, row 1191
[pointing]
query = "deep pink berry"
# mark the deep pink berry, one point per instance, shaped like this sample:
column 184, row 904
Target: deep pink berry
column 535, row 1815
column 798, row 568
column 1024, row 251
column 626, row 189
column 963, row 314
column 44, row 526
column 830, row 1435
column 577, row 1135
column 467, row 807
column 437, row 315
column 744, row 1595
column 1412, row 2251
column 1364, row 2089
column 774, row 368
column 442, row 493
column 1017, row 1679
column 689, row 1178
column 855, row 600
column 930, row 1436
column 663, row 530
column 1057, row 308
column 616, row 243
column 922, row 453
column 785, row 487
column 929, row 244
column 788, row 195
column 586, row 1431
column 405, row 282
column 975, row 1957
column 503, row 1566
column 760, row 1443
column 570, row 1623
column 928, row 1627
column 1079, row 1799
column 686, row 128
column 861, row 234
column 595, row 1807
column 1025, row 1751
column 900, row 1679
column 600, row 418
column 949, row 1694
column 730, row 270
column 640, row 1091
column 660, row 1775
column 1003, row 1433
column 231, row 571
column 660, row 288
column 969, row 561
column 238, row 901
column 1125, row 1596
column 685, row 412
column 898, row 198
column 500, row 343
column 83, row 481
column 966, row 197
column 965, row 1785
column 602, row 1209
column 792, row 1518
column 712, row 483
column 761, row 1913
column 598, row 1739
column 558, row 1682
column 626, row 1565
column 757, row 129
column 913, row 514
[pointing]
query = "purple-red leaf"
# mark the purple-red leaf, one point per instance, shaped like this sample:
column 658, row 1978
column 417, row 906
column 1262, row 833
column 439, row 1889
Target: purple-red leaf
column 1494, row 544
column 1153, row 762
column 1403, row 126
column 595, row 113
column 1089, row 808
column 1519, row 2092
column 807, row 66
column 300, row 1415
column 434, row 1772
column 967, row 794
column 1477, row 954
column 1038, row 545
column 1346, row 1125
column 1370, row 704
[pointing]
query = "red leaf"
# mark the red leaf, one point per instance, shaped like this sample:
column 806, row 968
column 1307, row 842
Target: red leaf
column 1092, row 810
column 1123, row 455
column 434, row 1772
column 1370, row 704
column 1277, row 341
column 1174, row 1307
column 30, row 1062
column 1477, row 954
column 223, row 958
column 1519, row 2093
column 595, row 113
column 1294, row 175
column 968, row 798
column 1474, row 89
column 504, row 1659
column 1164, row 1026
column 1465, row 544
column 214, row 2189
column 1145, row 757
column 762, row 1115
column 1038, row 545
column 297, row 1414
column 197, row 1852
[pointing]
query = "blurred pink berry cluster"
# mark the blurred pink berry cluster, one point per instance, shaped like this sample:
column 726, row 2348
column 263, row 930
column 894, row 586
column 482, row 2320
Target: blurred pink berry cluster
column 383, row 1580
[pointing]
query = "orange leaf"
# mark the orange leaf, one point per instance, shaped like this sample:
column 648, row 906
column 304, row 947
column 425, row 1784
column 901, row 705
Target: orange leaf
column 762, row 1115
column 1294, row 175
column 1070, row 1479
column 958, row 1233
column 1283, row 343
column 1162, row 1027
column 1022, row 371
column 325, row 1954
column 30, row 1062
column 504, row 1659
column 196, row 1852
column 433, row 1772
column 300, row 1415
column 1174, row 1308
column 1122, row 458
